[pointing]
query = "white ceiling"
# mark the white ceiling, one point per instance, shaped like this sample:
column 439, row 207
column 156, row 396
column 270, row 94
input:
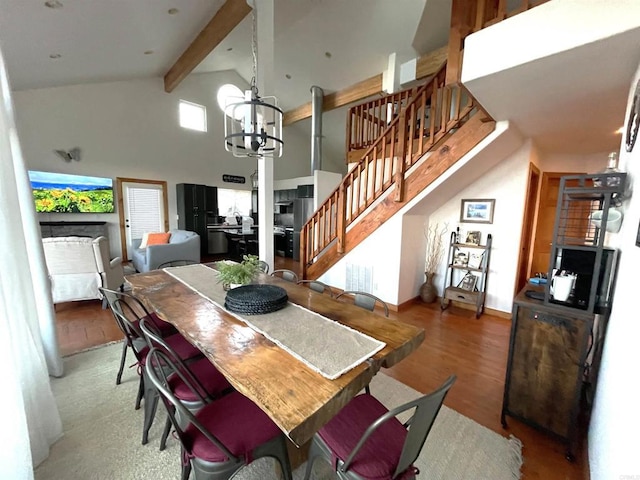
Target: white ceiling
column 105, row 41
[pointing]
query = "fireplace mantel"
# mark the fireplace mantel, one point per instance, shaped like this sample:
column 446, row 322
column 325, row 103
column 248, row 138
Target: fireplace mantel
column 91, row 229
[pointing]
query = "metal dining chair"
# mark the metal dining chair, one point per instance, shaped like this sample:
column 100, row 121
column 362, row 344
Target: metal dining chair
column 317, row 286
column 130, row 313
column 365, row 300
column 263, row 266
column 199, row 383
column 176, row 263
column 132, row 336
column 285, row 274
column 365, row 440
column 224, row 435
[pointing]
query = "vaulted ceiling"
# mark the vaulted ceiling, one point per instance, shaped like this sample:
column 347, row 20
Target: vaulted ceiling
column 330, row 43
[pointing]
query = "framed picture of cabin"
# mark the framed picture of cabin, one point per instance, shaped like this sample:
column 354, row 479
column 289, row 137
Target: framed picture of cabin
column 477, row 210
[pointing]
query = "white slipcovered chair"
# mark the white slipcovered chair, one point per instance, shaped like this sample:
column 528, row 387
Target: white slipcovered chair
column 78, row 266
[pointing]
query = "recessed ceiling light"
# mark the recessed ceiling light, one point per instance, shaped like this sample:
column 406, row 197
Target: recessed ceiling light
column 327, row 54
column 55, row 56
column 148, row 52
column 53, row 4
column 172, row 11
column 287, row 76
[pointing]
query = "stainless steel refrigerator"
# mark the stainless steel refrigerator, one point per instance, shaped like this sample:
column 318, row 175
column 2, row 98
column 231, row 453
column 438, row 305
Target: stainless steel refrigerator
column 302, row 210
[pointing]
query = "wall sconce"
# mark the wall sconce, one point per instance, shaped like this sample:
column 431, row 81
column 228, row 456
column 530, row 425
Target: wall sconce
column 68, row 155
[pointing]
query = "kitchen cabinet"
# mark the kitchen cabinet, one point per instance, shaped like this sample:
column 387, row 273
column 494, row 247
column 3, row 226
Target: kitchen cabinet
column 196, row 203
column 548, row 364
column 304, row 191
column 466, row 277
column 287, row 195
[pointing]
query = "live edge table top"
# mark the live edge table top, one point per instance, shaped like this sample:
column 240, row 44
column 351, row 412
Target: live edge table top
column 299, row 400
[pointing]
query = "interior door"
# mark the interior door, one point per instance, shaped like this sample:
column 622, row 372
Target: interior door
column 143, row 207
column 546, row 218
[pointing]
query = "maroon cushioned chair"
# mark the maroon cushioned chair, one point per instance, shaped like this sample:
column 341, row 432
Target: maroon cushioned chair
column 136, row 340
column 197, row 384
column 130, row 313
column 224, row 435
column 365, row 440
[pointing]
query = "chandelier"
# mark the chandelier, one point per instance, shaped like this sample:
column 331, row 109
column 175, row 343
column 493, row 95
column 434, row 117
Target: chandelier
column 253, row 124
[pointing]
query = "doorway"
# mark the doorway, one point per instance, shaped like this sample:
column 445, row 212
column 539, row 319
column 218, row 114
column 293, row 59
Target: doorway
column 533, row 186
column 143, row 207
column 543, row 237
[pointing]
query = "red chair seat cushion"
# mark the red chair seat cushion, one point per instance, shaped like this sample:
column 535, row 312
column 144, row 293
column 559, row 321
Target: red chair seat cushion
column 165, row 328
column 180, row 345
column 234, row 420
column 379, row 456
column 208, row 375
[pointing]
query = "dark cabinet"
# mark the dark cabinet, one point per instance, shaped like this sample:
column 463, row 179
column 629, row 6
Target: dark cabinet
column 196, row 205
column 287, row 195
column 548, row 358
column 288, row 252
column 304, row 191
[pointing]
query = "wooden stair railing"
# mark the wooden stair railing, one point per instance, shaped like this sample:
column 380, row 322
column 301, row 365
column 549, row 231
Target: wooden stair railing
column 367, row 121
column 433, row 112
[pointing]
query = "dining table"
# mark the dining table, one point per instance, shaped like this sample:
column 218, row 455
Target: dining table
column 298, row 399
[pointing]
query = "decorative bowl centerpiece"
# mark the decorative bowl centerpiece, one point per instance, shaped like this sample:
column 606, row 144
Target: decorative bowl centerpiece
column 256, row 299
column 233, row 274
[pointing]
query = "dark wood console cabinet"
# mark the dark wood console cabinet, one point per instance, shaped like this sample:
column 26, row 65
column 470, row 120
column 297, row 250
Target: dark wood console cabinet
column 549, row 357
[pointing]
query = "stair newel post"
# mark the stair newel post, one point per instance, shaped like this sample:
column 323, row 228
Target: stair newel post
column 341, row 227
column 304, row 261
column 348, row 135
column 402, row 152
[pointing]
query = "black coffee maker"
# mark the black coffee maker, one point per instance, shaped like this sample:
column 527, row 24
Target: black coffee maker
column 582, row 263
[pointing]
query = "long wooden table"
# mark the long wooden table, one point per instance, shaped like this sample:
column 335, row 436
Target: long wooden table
column 299, row 400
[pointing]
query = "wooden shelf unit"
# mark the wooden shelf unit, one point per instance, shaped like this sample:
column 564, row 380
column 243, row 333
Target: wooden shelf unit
column 455, row 273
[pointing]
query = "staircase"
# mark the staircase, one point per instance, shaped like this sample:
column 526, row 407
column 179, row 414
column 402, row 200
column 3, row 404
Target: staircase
column 405, row 141
column 400, row 144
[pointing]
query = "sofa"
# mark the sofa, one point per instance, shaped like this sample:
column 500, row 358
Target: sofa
column 183, row 245
column 78, row 266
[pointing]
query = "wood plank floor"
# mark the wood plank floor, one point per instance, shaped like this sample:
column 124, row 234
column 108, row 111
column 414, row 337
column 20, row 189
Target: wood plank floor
column 475, row 350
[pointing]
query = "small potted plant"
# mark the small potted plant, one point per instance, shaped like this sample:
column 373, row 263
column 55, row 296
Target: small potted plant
column 235, row 274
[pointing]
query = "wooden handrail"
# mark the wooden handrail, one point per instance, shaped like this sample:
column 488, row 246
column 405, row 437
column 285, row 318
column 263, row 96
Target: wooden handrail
column 431, row 112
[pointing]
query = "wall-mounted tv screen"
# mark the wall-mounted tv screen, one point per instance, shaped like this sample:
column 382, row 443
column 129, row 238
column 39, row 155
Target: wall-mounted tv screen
column 64, row 193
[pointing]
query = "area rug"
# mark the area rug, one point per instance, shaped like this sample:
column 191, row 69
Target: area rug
column 102, row 433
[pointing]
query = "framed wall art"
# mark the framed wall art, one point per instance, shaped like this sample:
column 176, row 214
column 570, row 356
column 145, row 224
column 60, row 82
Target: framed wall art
column 477, row 210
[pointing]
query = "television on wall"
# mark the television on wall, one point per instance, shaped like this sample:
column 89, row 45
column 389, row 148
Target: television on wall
column 64, row 193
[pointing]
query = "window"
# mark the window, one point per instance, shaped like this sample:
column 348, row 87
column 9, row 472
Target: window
column 234, row 202
column 193, row 116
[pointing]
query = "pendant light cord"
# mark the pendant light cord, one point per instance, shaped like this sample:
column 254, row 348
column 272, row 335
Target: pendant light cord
column 254, row 49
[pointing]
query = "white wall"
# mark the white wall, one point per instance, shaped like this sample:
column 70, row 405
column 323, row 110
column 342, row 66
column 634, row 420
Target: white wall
column 615, row 420
column 507, row 184
column 583, row 163
column 567, row 24
column 130, row 129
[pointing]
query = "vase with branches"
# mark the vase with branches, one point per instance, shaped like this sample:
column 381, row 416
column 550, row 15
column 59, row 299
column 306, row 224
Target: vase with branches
column 434, row 234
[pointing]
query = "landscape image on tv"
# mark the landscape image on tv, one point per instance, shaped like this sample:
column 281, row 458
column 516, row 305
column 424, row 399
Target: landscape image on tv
column 64, row 193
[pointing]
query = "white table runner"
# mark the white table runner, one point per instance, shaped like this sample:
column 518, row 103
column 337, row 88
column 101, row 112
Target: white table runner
column 326, row 346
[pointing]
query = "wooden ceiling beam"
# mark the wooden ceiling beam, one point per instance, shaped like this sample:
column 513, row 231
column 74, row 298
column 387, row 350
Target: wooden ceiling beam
column 222, row 23
column 426, row 66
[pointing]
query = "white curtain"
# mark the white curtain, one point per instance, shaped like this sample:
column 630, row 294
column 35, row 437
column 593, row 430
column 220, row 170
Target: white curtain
column 28, row 344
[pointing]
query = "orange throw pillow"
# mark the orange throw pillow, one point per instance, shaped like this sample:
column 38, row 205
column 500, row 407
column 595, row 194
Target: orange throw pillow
column 158, row 238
